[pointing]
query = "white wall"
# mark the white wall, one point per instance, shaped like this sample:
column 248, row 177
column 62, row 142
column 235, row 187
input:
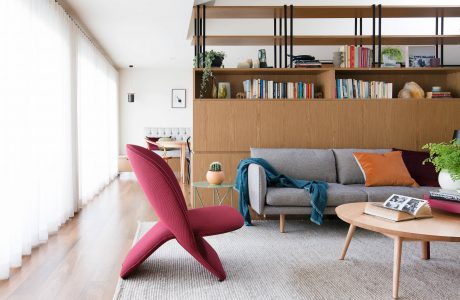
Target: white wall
column 152, row 105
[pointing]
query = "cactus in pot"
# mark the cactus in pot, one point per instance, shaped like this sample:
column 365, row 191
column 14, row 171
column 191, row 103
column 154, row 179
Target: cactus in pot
column 215, row 175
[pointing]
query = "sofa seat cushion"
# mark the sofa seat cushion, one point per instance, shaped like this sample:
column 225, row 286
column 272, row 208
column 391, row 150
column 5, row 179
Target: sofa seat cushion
column 381, row 193
column 337, row 194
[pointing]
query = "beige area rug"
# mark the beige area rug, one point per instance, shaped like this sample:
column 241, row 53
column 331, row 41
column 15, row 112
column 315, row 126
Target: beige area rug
column 302, row 263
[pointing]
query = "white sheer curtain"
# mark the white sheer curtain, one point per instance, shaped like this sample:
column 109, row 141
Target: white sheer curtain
column 39, row 160
column 97, row 120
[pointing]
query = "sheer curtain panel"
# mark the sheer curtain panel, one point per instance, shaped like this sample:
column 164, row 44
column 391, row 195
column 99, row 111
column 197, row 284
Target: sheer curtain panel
column 40, row 125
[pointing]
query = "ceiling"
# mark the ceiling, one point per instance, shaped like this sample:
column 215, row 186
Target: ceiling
column 143, row 33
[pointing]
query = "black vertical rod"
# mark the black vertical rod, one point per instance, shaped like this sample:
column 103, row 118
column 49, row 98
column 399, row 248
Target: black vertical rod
column 437, row 26
column 198, row 37
column 195, row 30
column 442, row 41
column 285, row 36
column 380, row 35
column 373, row 35
column 356, row 30
column 291, row 8
column 274, row 42
column 279, row 41
column 204, row 30
column 361, row 30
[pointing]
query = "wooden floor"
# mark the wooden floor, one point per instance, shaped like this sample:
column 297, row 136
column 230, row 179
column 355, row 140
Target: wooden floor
column 83, row 260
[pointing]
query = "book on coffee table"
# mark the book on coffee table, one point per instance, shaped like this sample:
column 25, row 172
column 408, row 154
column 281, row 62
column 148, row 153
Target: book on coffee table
column 448, row 195
column 399, row 208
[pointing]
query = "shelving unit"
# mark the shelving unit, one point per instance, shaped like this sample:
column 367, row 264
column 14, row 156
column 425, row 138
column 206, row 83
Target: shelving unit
column 225, row 129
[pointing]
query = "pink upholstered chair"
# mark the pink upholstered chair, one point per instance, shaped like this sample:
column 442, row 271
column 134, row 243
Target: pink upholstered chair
column 175, row 221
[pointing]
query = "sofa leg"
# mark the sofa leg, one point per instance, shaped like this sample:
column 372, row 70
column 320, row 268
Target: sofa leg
column 282, row 223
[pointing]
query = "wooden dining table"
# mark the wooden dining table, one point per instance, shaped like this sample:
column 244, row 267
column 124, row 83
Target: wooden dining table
column 182, row 145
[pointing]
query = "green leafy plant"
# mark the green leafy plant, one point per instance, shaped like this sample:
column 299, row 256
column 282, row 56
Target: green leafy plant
column 393, row 53
column 445, row 156
column 206, row 61
column 215, row 167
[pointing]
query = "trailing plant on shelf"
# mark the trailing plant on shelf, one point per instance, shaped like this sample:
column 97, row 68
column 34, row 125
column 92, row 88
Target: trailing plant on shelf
column 210, row 59
column 446, row 159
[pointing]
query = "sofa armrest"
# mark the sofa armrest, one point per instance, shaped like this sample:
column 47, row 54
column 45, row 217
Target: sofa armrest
column 257, row 185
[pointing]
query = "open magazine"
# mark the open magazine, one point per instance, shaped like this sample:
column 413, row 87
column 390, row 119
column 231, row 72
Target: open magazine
column 400, row 208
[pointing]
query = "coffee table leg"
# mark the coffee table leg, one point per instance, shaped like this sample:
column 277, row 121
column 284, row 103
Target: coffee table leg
column 351, row 231
column 396, row 265
column 425, row 250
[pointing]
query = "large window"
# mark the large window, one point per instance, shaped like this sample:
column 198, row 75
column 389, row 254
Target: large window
column 58, row 124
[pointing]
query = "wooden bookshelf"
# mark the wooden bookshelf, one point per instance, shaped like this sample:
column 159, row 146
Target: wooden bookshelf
column 225, row 129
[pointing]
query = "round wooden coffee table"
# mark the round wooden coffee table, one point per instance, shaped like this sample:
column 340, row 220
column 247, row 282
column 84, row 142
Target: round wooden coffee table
column 442, row 227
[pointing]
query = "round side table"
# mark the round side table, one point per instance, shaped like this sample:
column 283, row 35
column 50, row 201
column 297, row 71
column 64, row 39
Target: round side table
column 216, row 196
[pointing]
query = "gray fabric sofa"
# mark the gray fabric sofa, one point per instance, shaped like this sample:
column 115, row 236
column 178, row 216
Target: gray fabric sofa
column 338, row 167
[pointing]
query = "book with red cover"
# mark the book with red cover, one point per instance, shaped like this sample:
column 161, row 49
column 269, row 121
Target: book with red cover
column 445, row 205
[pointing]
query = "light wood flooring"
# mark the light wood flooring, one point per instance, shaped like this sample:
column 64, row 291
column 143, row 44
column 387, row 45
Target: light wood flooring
column 83, row 259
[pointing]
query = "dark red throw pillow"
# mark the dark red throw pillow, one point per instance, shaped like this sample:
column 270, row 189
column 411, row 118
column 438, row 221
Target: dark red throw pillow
column 424, row 174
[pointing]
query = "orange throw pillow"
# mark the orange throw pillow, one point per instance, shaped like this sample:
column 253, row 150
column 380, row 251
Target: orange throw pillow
column 384, row 169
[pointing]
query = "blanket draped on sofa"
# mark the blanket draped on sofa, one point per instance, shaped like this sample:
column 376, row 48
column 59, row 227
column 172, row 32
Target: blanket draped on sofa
column 317, row 189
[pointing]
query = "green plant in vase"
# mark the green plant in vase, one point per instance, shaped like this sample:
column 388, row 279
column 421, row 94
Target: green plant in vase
column 209, row 60
column 446, row 159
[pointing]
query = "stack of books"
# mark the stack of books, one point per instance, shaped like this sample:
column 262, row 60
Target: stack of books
column 448, row 200
column 356, row 57
column 358, row 89
column 269, row 89
column 307, row 64
column 438, row 95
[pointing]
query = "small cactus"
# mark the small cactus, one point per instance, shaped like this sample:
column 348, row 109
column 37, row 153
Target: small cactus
column 215, row 167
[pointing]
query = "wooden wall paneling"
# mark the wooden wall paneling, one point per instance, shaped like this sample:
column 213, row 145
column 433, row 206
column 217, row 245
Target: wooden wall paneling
column 350, row 124
column 225, row 125
column 321, row 125
column 390, row 123
column 437, row 120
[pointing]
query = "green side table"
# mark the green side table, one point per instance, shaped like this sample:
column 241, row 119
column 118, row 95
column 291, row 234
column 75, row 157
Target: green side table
column 215, row 192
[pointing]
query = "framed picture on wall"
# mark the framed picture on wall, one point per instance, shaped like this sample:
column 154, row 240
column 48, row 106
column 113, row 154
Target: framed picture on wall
column 178, row 98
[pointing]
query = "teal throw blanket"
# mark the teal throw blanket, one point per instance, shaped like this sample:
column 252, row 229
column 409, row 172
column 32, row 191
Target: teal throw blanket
column 317, row 189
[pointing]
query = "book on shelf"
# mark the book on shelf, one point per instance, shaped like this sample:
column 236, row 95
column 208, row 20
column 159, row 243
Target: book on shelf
column 269, row 89
column 399, row 208
column 436, row 95
column 446, row 195
column 358, row 89
column 355, row 56
column 307, row 64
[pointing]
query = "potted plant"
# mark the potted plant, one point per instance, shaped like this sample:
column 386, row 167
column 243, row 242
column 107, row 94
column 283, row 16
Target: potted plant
column 446, row 159
column 211, row 59
column 215, row 175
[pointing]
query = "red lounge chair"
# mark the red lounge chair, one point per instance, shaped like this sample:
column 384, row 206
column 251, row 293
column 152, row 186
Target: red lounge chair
column 175, row 221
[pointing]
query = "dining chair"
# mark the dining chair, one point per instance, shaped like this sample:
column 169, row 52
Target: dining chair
column 188, row 227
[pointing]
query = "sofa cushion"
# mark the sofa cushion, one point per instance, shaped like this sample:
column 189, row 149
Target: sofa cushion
column 384, row 169
column 381, row 193
column 348, row 171
column 307, row 164
column 337, row 194
column 424, row 174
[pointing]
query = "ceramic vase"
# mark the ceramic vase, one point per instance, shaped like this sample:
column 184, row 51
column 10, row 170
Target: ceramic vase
column 446, row 182
column 215, row 178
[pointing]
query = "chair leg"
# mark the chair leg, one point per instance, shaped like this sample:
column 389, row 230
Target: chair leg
column 282, row 223
column 151, row 241
column 209, row 259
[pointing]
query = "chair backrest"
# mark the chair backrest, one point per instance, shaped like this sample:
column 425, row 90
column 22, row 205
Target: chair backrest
column 163, row 192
